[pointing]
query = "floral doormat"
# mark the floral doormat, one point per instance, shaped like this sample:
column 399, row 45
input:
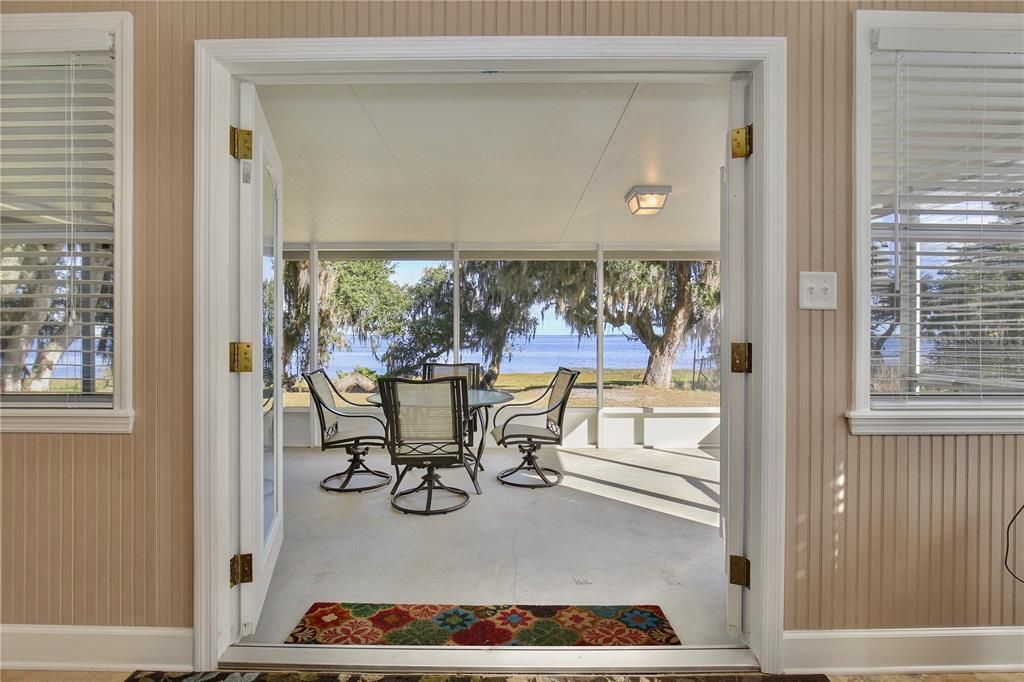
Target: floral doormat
column 284, row 676
column 507, row 625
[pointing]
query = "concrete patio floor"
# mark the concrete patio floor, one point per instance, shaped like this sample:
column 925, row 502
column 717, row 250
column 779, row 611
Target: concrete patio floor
column 627, row 526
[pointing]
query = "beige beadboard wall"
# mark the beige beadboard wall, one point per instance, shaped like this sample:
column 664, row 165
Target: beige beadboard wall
column 882, row 531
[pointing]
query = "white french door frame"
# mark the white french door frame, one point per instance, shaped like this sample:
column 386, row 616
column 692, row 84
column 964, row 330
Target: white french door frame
column 735, row 390
column 219, row 64
column 254, row 538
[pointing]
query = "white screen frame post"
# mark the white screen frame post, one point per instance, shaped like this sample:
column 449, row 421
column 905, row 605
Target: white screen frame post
column 599, row 335
column 457, row 308
column 481, row 59
column 314, row 336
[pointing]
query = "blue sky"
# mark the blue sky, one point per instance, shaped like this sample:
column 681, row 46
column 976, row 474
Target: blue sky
column 408, row 271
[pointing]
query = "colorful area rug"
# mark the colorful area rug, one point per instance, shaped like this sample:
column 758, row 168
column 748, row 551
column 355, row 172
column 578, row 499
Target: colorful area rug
column 507, row 625
column 284, row 676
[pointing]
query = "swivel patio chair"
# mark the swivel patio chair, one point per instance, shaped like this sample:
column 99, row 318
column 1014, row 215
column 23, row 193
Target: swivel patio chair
column 529, row 439
column 474, row 378
column 354, row 431
column 425, row 430
column 470, row 370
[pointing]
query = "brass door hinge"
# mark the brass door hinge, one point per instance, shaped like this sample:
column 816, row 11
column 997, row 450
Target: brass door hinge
column 739, row 570
column 240, row 356
column 742, row 142
column 740, row 358
column 240, row 143
column 240, row 569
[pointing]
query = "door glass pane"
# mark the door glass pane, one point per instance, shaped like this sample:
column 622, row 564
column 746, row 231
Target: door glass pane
column 295, row 331
column 271, row 393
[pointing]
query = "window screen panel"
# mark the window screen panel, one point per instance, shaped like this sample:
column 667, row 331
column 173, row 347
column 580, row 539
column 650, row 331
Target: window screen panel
column 947, row 226
column 57, row 123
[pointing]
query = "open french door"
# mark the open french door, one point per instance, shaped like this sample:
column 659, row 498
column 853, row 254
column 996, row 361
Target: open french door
column 261, row 464
column 735, row 179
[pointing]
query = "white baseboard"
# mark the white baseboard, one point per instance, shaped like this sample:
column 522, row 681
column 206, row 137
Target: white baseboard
column 920, row 650
column 94, row 647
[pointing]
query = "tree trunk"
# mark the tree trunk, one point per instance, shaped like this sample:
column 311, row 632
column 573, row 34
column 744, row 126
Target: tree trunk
column 490, row 374
column 493, row 355
column 663, row 353
column 659, row 364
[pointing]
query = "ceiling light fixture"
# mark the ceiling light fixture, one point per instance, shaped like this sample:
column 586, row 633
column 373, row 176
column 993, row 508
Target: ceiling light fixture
column 644, row 200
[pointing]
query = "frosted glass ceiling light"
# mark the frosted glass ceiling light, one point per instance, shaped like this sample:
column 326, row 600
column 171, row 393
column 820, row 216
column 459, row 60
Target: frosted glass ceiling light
column 646, row 200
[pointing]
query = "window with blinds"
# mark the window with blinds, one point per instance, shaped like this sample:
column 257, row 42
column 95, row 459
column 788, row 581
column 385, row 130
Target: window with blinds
column 947, row 226
column 57, row 144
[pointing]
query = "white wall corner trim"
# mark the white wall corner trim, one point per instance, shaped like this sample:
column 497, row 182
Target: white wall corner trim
column 94, row 647
column 918, row 650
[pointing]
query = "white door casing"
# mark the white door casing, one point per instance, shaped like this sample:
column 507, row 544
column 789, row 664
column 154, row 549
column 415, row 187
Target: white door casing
column 482, row 59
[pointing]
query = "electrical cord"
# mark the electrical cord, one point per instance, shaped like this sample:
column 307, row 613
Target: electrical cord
column 1006, row 556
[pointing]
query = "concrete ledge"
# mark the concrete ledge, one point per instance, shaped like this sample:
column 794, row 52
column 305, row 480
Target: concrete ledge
column 624, row 427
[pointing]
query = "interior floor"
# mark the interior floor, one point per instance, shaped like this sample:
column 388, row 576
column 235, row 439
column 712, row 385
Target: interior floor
column 627, row 526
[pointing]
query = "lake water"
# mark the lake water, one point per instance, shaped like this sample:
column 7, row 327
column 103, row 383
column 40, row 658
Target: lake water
column 544, row 353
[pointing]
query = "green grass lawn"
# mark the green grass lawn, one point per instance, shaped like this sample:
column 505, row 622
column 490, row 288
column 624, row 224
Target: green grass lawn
column 622, row 388
column 103, row 385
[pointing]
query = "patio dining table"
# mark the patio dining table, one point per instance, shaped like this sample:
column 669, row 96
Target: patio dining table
column 480, row 403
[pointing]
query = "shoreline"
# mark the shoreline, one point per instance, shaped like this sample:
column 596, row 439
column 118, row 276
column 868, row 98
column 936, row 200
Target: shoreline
column 622, row 388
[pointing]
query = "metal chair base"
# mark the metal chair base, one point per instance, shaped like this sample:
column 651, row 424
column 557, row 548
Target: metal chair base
column 431, row 483
column 529, row 464
column 357, row 467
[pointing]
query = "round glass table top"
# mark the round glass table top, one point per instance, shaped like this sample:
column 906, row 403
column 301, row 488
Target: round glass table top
column 478, row 397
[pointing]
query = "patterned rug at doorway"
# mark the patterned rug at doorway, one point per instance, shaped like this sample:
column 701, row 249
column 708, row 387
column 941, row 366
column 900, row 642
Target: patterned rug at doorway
column 284, row 676
column 507, row 625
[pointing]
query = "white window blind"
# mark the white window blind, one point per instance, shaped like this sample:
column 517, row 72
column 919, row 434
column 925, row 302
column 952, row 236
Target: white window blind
column 57, row 141
column 947, row 226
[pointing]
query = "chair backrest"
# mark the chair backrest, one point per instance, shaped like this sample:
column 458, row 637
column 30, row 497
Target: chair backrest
column 322, row 392
column 470, row 370
column 425, row 419
column 561, row 387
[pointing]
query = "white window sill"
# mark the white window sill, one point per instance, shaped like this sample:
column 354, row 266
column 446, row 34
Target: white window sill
column 944, row 421
column 66, row 420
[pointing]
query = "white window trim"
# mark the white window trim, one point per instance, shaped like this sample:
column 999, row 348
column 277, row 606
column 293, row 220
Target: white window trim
column 939, row 417
column 78, row 30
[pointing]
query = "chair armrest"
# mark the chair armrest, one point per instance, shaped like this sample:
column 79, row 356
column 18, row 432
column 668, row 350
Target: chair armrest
column 528, row 414
column 351, row 415
column 531, row 402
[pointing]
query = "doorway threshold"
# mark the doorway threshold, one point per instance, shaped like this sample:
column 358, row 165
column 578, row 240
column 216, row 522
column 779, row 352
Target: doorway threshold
column 469, row 659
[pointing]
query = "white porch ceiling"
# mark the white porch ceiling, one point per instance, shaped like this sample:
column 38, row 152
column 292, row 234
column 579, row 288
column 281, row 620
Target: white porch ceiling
column 499, row 162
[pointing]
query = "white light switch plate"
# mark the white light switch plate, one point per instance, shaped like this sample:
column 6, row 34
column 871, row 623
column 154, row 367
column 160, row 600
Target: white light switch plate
column 818, row 290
